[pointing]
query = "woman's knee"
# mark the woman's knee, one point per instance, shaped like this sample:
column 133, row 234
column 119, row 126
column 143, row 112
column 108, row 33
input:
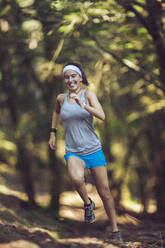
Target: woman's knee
column 105, row 193
column 76, row 171
column 77, row 178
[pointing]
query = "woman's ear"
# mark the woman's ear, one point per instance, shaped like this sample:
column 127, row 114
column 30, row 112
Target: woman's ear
column 81, row 79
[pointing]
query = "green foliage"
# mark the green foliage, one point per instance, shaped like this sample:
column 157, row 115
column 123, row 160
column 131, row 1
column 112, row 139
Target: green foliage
column 119, row 55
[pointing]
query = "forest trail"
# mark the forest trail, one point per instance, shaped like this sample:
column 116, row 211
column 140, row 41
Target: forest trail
column 25, row 228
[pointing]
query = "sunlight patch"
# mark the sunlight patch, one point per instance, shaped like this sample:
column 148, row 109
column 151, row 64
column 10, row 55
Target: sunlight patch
column 19, row 244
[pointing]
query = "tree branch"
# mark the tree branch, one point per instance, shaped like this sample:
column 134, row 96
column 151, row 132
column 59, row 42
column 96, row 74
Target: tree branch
column 134, row 68
column 129, row 7
column 138, row 4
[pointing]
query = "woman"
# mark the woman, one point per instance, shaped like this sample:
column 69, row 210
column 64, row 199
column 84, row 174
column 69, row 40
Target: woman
column 83, row 148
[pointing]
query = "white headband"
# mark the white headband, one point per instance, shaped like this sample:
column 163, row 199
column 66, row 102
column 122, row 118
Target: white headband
column 72, row 67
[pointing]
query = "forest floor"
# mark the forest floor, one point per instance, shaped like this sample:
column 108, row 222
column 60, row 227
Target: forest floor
column 22, row 227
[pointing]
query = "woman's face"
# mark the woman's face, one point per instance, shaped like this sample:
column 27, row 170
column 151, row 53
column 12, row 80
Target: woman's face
column 72, row 80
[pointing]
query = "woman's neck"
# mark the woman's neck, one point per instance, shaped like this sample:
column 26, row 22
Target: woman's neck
column 77, row 91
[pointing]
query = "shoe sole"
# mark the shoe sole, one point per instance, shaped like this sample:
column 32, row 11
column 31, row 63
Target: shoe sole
column 91, row 221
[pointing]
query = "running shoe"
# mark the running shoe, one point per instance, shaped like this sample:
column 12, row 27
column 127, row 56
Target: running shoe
column 116, row 237
column 89, row 214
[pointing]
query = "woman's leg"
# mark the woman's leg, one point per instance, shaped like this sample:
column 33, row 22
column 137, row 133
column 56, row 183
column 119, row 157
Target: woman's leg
column 101, row 180
column 76, row 167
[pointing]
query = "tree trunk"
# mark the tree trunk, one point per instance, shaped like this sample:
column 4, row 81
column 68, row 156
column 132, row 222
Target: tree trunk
column 156, row 29
column 55, row 181
column 156, row 144
column 13, row 108
column 159, row 188
column 25, row 173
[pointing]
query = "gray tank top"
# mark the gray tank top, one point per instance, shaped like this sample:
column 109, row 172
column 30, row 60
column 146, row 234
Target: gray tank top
column 80, row 136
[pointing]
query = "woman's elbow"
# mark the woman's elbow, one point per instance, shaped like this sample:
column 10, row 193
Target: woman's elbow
column 102, row 117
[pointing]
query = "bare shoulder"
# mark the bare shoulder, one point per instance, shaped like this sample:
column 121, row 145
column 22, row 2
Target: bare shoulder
column 92, row 98
column 90, row 94
column 60, row 97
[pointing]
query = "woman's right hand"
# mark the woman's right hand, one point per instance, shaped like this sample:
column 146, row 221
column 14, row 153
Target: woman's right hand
column 52, row 141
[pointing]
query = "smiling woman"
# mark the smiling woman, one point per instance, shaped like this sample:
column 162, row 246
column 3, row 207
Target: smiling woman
column 82, row 146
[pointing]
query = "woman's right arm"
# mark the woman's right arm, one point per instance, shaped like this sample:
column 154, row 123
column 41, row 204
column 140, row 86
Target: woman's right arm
column 55, row 120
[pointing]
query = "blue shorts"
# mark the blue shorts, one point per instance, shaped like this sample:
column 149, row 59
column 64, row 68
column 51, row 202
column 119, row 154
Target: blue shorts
column 95, row 159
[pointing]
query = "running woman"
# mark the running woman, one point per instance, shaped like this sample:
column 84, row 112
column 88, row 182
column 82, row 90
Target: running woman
column 83, row 149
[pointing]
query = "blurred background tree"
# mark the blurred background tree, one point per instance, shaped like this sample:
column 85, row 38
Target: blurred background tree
column 121, row 45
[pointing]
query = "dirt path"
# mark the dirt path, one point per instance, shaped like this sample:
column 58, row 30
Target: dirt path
column 24, row 228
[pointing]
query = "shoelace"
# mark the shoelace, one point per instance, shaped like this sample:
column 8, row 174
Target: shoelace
column 88, row 210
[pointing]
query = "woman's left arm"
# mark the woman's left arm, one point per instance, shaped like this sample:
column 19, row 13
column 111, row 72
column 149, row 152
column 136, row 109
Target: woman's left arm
column 94, row 107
